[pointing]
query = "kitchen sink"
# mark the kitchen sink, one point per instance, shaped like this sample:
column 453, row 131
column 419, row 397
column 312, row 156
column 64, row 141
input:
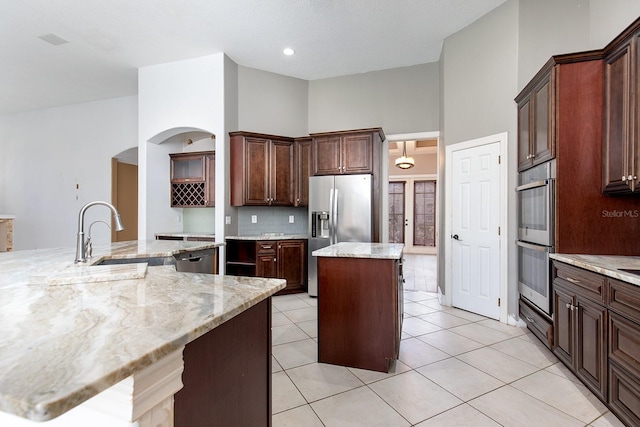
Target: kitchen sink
column 151, row 261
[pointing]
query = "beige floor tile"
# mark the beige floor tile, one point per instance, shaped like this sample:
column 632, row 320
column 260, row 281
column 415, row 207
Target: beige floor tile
column 415, row 326
column 450, row 342
column 562, row 371
column 481, row 334
column 416, row 309
column 415, row 353
column 497, row 364
column 419, row 296
column 310, row 327
column 275, row 366
column 444, row 319
column 460, row 416
column 367, row 376
column 569, row 397
column 292, row 303
column 466, row 314
column 302, row 314
column 607, row 420
column 511, row 407
column 359, row 407
column 435, row 304
column 313, row 302
column 279, row 319
column 532, row 353
column 284, row 393
column 297, row 417
column 319, row 380
column 286, row 333
column 414, row 397
column 297, row 353
column 458, row 378
column 511, row 330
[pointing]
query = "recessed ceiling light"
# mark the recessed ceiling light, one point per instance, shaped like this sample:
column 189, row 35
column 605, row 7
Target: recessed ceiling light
column 288, row 51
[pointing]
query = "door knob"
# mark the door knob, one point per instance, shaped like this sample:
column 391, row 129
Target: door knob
column 456, row 237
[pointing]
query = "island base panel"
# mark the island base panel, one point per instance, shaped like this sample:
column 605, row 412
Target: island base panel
column 227, row 374
column 357, row 312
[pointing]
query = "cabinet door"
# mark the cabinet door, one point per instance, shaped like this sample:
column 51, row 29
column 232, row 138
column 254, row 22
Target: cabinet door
column 210, row 180
column 563, row 325
column 266, row 258
column 524, row 134
column 303, row 164
column 357, row 154
column 281, row 173
column 256, row 184
column 542, row 148
column 326, row 155
column 617, row 155
column 591, row 346
column 291, row 263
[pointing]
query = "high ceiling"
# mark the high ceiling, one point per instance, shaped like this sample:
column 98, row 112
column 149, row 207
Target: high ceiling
column 107, row 40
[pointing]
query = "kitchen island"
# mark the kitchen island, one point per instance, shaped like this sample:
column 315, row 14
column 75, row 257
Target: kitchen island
column 360, row 304
column 107, row 348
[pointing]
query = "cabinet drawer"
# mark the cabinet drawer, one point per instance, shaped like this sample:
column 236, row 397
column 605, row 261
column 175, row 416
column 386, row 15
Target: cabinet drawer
column 624, row 395
column 625, row 299
column 539, row 325
column 266, row 247
column 624, row 342
column 586, row 283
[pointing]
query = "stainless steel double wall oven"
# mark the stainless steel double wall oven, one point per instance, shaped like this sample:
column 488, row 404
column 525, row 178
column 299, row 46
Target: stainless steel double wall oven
column 536, row 233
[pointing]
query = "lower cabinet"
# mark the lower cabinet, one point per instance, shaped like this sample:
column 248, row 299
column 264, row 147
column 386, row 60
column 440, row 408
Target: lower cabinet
column 580, row 327
column 282, row 259
column 227, row 374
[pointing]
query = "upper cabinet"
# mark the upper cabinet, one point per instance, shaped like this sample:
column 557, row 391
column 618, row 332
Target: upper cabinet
column 536, row 124
column 349, row 152
column 262, row 170
column 193, row 179
column 303, row 162
column 621, row 136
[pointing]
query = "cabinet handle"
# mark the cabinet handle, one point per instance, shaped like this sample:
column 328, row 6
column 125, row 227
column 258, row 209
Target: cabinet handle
column 266, row 247
column 571, row 306
column 530, row 319
column 624, row 178
column 572, row 280
column 274, row 260
column 632, row 178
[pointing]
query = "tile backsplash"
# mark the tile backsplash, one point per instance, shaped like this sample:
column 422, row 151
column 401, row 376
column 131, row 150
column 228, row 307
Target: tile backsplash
column 271, row 219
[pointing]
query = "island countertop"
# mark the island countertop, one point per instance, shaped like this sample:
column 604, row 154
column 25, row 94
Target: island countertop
column 361, row 250
column 61, row 344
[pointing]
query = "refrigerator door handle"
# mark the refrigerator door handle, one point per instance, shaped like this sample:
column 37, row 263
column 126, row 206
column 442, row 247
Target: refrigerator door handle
column 331, row 227
column 335, row 216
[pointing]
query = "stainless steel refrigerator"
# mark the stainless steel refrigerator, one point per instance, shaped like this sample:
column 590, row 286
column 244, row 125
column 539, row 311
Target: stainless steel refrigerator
column 340, row 210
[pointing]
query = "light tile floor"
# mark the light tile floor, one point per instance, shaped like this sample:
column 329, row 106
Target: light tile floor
column 455, row 369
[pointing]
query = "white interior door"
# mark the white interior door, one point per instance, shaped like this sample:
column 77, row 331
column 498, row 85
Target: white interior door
column 475, row 221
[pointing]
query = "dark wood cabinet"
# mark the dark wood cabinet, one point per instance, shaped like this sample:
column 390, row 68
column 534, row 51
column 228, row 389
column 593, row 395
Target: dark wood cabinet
column 621, row 139
column 261, row 170
column 580, row 325
column 227, row 374
column 282, row 259
column 344, row 152
column 536, row 119
column 359, row 311
column 192, row 179
column 303, row 163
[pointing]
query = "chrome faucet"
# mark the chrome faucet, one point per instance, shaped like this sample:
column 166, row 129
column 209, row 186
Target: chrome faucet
column 81, row 244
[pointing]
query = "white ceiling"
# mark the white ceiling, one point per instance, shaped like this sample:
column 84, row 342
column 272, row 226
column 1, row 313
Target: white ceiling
column 109, row 39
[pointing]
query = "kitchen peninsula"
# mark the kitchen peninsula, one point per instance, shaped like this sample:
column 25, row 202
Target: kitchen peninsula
column 360, row 304
column 109, row 348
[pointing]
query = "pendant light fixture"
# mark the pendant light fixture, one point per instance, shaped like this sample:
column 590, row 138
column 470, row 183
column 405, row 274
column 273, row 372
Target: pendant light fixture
column 405, row 162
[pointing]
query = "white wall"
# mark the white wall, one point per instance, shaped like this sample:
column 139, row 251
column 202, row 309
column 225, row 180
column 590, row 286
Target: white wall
column 184, row 94
column 400, row 100
column 272, row 103
column 46, row 153
column 608, row 18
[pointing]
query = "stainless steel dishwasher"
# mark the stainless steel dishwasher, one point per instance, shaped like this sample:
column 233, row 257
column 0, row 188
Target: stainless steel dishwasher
column 203, row 261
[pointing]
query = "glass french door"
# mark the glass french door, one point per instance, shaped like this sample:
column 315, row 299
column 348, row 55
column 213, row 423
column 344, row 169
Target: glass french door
column 412, row 215
column 396, row 211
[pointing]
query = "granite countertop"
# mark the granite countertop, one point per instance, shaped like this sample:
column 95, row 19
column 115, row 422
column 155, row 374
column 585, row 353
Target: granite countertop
column 269, row 236
column 185, row 234
column 61, row 344
column 361, row 250
column 608, row 265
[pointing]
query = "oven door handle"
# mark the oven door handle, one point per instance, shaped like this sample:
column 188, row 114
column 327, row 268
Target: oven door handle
column 534, row 184
column 538, row 248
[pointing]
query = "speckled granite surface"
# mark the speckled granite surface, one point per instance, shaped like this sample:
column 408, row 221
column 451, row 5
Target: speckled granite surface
column 60, row 345
column 361, row 250
column 269, row 236
column 608, row 265
column 187, row 235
